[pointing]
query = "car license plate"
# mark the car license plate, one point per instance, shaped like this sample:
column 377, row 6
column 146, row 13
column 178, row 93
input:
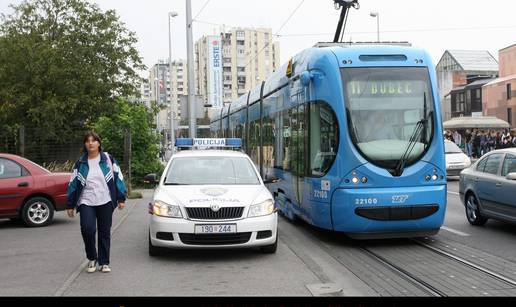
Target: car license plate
column 215, row 228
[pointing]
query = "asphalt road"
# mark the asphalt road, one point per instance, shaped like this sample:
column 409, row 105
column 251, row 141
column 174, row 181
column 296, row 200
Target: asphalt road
column 50, row 261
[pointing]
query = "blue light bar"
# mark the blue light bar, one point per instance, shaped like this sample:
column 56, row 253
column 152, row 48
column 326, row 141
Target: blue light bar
column 182, row 142
column 208, row 142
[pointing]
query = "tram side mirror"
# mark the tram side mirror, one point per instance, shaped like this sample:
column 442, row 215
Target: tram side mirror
column 305, row 78
column 271, row 180
column 511, row 176
column 151, row 179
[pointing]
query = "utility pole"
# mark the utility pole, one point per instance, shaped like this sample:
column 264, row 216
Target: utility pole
column 191, row 79
column 172, row 113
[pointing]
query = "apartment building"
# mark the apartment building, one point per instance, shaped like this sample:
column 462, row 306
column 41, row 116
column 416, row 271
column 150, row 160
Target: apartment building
column 233, row 62
column 168, row 83
column 499, row 95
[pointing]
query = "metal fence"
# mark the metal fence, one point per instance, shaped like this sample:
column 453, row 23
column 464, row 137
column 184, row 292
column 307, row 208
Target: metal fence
column 27, row 142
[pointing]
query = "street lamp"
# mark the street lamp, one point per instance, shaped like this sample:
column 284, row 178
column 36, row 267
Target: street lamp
column 172, row 113
column 156, row 86
column 377, row 15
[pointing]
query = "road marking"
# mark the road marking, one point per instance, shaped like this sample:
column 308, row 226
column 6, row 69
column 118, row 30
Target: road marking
column 453, row 193
column 457, row 232
column 83, row 265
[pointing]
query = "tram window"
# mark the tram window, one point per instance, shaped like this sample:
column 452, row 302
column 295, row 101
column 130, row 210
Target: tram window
column 286, row 133
column 240, row 123
column 233, row 122
column 254, row 132
column 300, row 140
column 278, row 133
column 323, row 138
column 268, row 131
column 225, row 128
column 292, row 152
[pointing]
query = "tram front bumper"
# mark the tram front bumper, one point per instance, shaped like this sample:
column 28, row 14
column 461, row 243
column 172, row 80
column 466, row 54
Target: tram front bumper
column 417, row 210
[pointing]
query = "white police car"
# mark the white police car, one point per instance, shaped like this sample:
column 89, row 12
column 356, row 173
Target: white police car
column 210, row 198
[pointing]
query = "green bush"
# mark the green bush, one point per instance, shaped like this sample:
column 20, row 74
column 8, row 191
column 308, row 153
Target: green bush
column 144, row 142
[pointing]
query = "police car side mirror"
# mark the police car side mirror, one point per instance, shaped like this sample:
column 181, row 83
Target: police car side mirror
column 151, row 178
column 271, row 180
column 511, row 176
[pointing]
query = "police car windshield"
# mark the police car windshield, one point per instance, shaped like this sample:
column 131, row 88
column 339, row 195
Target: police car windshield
column 211, row 170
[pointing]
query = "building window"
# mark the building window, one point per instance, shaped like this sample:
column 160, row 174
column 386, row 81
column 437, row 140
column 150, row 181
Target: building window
column 509, row 116
column 509, row 90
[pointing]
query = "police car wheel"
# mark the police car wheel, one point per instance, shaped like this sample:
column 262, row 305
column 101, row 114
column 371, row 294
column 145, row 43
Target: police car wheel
column 154, row 250
column 270, row 249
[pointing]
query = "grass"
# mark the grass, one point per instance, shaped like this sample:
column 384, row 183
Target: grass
column 135, row 195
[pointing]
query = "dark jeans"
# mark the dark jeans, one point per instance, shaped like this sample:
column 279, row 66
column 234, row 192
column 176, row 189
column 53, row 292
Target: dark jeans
column 91, row 217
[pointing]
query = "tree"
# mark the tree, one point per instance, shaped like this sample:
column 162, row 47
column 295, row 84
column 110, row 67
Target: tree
column 136, row 118
column 63, row 63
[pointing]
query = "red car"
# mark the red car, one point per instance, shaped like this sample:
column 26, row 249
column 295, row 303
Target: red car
column 30, row 192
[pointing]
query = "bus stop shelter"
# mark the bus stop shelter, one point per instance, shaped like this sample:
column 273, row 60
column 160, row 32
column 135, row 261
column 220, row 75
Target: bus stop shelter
column 484, row 122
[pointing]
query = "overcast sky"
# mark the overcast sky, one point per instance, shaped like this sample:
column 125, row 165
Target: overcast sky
column 434, row 25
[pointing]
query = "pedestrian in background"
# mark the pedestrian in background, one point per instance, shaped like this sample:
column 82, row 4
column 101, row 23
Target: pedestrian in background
column 96, row 188
column 457, row 138
column 468, row 139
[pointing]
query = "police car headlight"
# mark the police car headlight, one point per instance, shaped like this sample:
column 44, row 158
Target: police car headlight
column 261, row 209
column 161, row 208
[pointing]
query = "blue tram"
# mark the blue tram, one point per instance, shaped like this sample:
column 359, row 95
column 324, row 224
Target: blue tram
column 354, row 135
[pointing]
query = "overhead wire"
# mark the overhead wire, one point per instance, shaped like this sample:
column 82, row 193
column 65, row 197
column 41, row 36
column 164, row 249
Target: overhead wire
column 277, row 32
column 200, row 11
column 402, row 31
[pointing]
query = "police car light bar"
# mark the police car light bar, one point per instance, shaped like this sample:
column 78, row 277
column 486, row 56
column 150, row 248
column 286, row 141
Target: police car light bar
column 208, row 142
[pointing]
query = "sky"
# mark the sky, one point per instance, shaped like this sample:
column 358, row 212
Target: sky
column 435, row 25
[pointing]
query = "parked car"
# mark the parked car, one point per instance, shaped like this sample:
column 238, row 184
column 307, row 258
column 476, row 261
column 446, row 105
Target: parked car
column 30, row 192
column 456, row 160
column 488, row 187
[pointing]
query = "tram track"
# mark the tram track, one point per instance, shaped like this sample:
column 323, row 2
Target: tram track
column 465, row 262
column 418, row 282
column 412, row 267
column 439, row 273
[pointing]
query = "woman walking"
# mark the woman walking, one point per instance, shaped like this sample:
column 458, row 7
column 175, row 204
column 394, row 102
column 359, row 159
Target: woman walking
column 96, row 188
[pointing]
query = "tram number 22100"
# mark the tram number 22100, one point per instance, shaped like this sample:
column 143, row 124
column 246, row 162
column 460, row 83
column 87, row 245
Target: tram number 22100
column 366, row 201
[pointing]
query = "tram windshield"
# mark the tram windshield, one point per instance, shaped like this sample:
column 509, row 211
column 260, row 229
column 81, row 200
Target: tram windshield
column 390, row 113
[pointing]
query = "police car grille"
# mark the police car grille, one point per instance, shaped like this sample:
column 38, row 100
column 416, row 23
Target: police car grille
column 225, row 213
column 215, row 239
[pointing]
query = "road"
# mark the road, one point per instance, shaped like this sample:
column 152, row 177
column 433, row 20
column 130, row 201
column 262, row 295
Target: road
column 50, row 261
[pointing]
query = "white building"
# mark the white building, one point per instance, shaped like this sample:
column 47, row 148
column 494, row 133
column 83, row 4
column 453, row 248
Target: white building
column 166, row 86
column 248, row 56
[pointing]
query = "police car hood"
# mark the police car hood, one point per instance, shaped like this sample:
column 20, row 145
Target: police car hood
column 207, row 195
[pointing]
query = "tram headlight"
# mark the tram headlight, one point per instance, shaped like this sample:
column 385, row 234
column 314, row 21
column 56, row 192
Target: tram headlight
column 161, row 208
column 428, row 177
column 435, row 177
column 261, row 209
column 354, row 180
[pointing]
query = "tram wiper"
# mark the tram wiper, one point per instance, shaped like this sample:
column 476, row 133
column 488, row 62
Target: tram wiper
column 420, row 127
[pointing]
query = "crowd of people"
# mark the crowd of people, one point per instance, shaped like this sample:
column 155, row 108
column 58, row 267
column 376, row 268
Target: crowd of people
column 477, row 142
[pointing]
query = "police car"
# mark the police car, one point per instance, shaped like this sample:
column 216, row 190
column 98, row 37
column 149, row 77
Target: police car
column 211, row 198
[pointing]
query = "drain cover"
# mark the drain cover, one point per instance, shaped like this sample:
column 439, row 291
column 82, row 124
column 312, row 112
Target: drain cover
column 327, row 289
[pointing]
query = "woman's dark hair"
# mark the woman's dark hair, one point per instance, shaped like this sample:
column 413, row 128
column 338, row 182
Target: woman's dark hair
column 95, row 136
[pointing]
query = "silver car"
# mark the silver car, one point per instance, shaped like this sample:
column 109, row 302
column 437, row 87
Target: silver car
column 488, row 187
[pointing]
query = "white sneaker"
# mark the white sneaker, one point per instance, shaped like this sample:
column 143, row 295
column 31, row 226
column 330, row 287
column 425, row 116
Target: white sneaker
column 92, row 266
column 105, row 268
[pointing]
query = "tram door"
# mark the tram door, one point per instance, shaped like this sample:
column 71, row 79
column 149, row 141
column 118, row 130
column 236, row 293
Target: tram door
column 299, row 142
